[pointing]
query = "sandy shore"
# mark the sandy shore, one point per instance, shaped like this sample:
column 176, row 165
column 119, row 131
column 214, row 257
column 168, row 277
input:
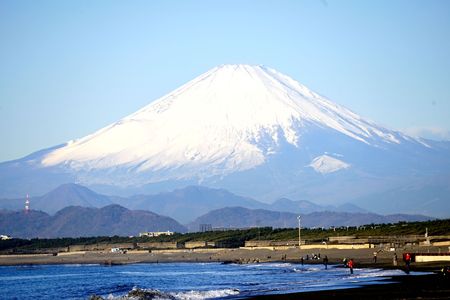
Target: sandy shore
column 405, row 287
column 363, row 257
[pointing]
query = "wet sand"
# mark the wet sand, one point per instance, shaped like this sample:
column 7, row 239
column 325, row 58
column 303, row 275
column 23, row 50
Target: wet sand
column 431, row 286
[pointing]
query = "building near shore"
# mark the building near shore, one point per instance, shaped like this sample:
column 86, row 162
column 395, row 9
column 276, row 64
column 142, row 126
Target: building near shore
column 159, row 245
column 155, row 233
column 100, row 247
column 205, row 227
column 430, row 257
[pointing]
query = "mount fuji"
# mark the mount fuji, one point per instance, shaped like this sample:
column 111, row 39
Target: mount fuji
column 256, row 132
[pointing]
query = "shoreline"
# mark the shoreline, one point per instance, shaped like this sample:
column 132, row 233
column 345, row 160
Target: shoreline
column 424, row 286
column 362, row 257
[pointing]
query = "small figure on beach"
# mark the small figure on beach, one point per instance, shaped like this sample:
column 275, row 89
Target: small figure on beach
column 407, row 259
column 325, row 262
column 394, row 260
column 375, row 257
column 351, row 264
column 307, row 257
column 445, row 272
column 344, row 261
column 302, row 260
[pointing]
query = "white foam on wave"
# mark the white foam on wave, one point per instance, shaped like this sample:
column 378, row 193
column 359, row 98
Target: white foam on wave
column 80, row 265
column 373, row 273
column 270, row 265
column 185, row 295
column 198, row 295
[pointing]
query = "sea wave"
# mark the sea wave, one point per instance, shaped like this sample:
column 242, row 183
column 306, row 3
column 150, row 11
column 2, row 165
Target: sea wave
column 34, row 277
column 374, row 273
column 137, row 294
column 197, row 295
column 270, row 265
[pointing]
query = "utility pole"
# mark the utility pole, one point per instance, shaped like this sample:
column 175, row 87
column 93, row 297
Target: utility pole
column 299, row 233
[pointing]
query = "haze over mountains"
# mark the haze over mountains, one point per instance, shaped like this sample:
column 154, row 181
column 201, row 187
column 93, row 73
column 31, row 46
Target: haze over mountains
column 82, row 212
column 252, row 131
column 76, row 221
column 184, row 205
column 239, row 217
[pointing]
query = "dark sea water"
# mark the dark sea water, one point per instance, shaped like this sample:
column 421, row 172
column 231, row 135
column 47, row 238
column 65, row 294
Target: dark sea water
column 181, row 280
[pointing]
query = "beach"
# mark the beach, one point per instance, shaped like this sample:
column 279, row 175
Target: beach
column 362, row 257
column 426, row 286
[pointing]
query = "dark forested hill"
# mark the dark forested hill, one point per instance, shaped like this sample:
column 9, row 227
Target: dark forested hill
column 75, row 221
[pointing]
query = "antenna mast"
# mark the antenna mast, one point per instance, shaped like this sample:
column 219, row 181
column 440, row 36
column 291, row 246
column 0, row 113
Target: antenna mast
column 27, row 204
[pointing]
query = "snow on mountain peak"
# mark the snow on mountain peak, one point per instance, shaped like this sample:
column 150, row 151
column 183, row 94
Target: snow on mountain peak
column 228, row 119
column 325, row 164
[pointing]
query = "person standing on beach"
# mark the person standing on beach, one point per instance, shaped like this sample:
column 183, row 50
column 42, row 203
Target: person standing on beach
column 375, row 257
column 350, row 264
column 301, row 260
column 407, row 258
column 325, row 262
column 395, row 259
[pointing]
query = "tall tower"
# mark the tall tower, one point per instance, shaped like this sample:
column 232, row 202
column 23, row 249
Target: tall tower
column 27, row 204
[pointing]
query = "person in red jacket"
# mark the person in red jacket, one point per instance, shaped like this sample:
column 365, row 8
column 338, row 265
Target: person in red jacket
column 351, row 264
column 407, row 258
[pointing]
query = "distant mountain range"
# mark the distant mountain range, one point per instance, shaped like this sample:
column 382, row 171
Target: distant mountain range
column 75, row 221
column 184, row 205
column 63, row 196
column 239, row 217
column 255, row 132
column 73, row 210
column 305, row 207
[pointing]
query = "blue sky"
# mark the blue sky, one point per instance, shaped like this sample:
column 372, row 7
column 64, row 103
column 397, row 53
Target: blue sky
column 68, row 68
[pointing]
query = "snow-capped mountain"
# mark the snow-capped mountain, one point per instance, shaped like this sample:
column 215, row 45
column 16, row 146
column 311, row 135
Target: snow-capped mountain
column 246, row 128
column 229, row 119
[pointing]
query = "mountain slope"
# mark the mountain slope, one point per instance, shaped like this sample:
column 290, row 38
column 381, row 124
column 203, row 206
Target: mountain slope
column 188, row 203
column 248, row 129
column 428, row 198
column 204, row 128
column 184, row 205
column 239, row 217
column 65, row 195
column 70, row 195
column 306, row 207
column 75, row 221
column 19, row 224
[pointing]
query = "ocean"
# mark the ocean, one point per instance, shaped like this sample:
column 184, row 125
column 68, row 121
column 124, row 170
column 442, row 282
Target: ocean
column 178, row 280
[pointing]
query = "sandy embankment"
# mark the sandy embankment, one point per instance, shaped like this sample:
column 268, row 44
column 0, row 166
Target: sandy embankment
column 362, row 257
